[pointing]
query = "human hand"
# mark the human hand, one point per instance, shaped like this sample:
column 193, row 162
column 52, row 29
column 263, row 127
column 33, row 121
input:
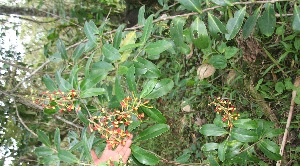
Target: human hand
column 121, row 152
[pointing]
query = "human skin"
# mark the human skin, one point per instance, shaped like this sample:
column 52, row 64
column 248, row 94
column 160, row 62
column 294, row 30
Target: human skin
column 121, row 152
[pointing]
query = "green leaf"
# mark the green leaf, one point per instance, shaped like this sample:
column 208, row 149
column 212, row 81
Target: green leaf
column 67, row 156
column 144, row 156
column 212, row 130
column 130, row 79
column 210, row 146
column 147, row 30
column 118, row 36
column 51, row 160
column 63, row 85
column 73, row 78
column 119, row 92
column 218, row 61
column 110, row 53
column 92, row 80
column 161, row 88
column 141, row 16
column 152, row 132
column 61, row 49
column 87, row 66
column 134, row 125
column 176, row 32
column 154, row 114
column 199, row 34
column 43, row 151
column 191, row 5
column 245, row 123
column 82, row 117
column 57, row 138
column 222, row 2
column 213, row 161
column 183, row 158
column 267, row 21
column 296, row 18
column 89, row 45
column 92, row 92
column 274, row 133
column 230, row 52
column 78, row 52
column 279, row 87
column 157, row 47
column 250, row 23
column 90, row 29
column 222, row 150
column 270, row 149
column 215, row 25
column 43, row 138
column 102, row 66
column 148, row 87
column 244, row 135
column 146, row 68
column 50, row 84
column 234, row 24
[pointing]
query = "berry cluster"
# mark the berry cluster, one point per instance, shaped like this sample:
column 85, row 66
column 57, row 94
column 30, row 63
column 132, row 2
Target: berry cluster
column 112, row 124
column 226, row 109
column 57, row 100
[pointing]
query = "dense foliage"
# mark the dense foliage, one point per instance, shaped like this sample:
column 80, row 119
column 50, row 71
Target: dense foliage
column 195, row 82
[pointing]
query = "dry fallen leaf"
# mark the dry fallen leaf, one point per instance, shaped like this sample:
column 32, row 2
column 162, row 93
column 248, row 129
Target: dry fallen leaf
column 230, row 77
column 205, row 71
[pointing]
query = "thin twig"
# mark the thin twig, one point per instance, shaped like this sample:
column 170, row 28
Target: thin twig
column 288, row 122
column 21, row 121
column 15, row 65
column 34, row 72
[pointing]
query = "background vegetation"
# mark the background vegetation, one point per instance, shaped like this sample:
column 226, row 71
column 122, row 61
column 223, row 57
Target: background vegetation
column 178, row 55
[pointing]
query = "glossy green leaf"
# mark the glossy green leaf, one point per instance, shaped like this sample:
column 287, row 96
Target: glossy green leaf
column 144, row 156
column 191, row 5
column 230, row 52
column 222, row 150
column 61, row 49
column 146, row 68
column 176, row 32
column 130, row 79
column 213, row 161
column 147, row 30
column 183, row 158
column 118, row 36
column 67, row 156
column 267, row 21
column 63, row 84
column 89, row 46
column 82, row 117
column 57, row 138
column 90, row 29
column 199, row 34
column 210, row 146
column 234, row 24
column 250, row 23
column 78, row 52
column 218, row 61
column 73, row 78
column 274, row 133
column 212, row 130
column 110, row 53
column 51, row 160
column 50, row 84
column 296, row 18
column 270, row 149
column 43, row 138
column 148, row 87
column 154, row 114
column 76, row 146
column 245, row 124
column 134, row 125
column 88, row 64
column 222, row 2
column 43, row 151
column 215, row 26
column 161, row 88
column 90, row 92
column 102, row 66
column 157, row 47
column 244, row 135
column 119, row 92
column 152, row 132
column 92, row 80
column 141, row 16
